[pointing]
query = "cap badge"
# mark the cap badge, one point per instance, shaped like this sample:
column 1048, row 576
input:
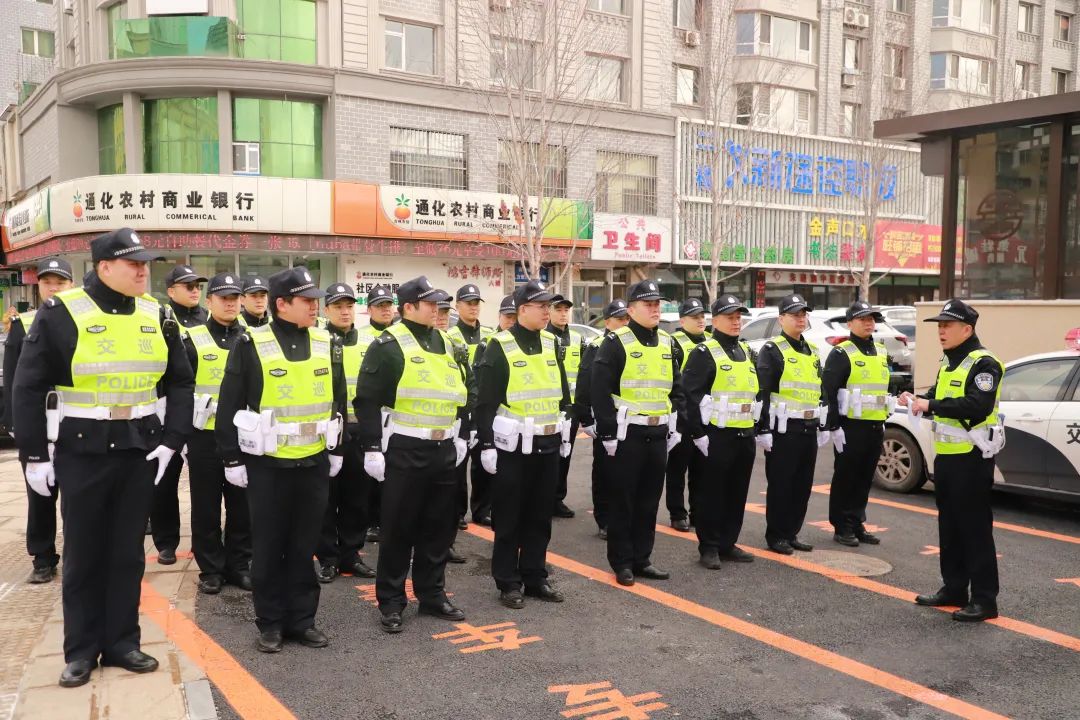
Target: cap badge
column 378, row 292
column 540, row 286
column 307, row 277
column 652, row 287
column 54, row 264
column 228, row 279
column 135, row 239
column 796, row 298
column 258, row 281
column 472, row 289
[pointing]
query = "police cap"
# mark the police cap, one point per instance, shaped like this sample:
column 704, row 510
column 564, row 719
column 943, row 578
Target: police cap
column 182, row 274
column 379, row 294
column 532, row 291
column 294, row 282
column 468, row 292
column 957, row 311
column 122, row 244
column 339, row 291
column 861, row 308
column 224, row 284
column 419, row 290
column 644, row 290
column 55, row 266
column 691, row 306
column 791, row 304
column 727, row 304
column 507, row 306
column 616, row 309
column 255, row 284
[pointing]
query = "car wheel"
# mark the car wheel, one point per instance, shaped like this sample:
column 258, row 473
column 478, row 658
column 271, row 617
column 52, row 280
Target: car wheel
column 900, row 467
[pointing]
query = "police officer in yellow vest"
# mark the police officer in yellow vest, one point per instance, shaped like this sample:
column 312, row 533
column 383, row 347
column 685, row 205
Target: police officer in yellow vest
column 100, row 368
column 635, row 397
column 53, row 275
column 689, row 334
column 855, row 382
column 346, row 521
column 221, row 557
column 721, row 386
column 412, row 374
column 571, row 343
column 520, row 422
column 968, row 433
column 280, row 417
column 255, row 299
column 790, row 427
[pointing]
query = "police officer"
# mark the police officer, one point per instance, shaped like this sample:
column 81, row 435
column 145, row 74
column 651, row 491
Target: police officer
column 789, row 376
column 691, row 332
column 615, row 317
column 183, row 286
column 571, row 342
column 442, row 319
column 346, row 512
column 412, row 372
column 107, row 350
column 635, row 392
column 255, row 299
column 523, row 391
column 221, row 558
column 53, row 275
column 721, row 386
column 284, row 390
column 380, row 307
column 967, row 435
column 855, row 382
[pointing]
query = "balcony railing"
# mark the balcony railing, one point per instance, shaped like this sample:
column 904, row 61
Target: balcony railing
column 171, row 36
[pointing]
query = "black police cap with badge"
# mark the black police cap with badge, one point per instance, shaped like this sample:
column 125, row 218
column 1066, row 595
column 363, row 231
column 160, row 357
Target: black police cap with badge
column 791, row 304
column 560, row 300
column 956, row 311
column 727, row 304
column 55, row 266
column 616, row 309
column 532, row 291
column 294, row 282
column 224, row 284
column 420, row 290
column 122, row 244
column 378, row 295
column 644, row 290
column 339, row 291
column 182, row 274
column 859, row 309
column 254, row 285
column 507, row 306
column 466, row 293
column 691, row 307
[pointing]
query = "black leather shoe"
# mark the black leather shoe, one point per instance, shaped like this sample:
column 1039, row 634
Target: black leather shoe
column 512, row 599
column 452, row 555
column 602, row 533
column 167, row 556
column 625, row 577
column 242, row 581
column 391, row 623
column 544, row 592
column 445, row 610
column 210, row 585
column 326, row 574
column 736, row 554
column 135, row 661
column 42, row 575
column 798, row 544
column 652, row 572
column 358, row 568
column 462, row 523
column 484, row 520
column 372, row 534
column 868, row 538
column 976, row 612
column 942, row 598
column 562, row 511
column 781, row 546
column 270, row 641
column 710, row 559
column 681, row 525
column 846, row 539
column 312, row 638
column 77, row 672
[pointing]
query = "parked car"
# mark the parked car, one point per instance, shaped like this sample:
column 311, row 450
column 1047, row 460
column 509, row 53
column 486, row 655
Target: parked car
column 587, row 332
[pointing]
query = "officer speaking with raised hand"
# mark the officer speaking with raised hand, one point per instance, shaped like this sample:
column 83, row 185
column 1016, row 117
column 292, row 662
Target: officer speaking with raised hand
column 522, row 429
column 968, row 433
column 255, row 299
column 571, row 342
column 100, row 367
column 690, row 334
column 53, row 275
column 721, row 386
column 635, row 396
column 412, row 373
column 281, row 409
column 855, row 383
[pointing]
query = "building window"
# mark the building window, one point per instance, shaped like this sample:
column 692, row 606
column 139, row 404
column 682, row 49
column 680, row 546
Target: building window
column 113, row 15
column 744, row 104
column 180, row 135
column 1025, row 19
column 38, row 42
column 279, row 30
column 625, row 183
column 1061, row 81
column 428, row 158
column 686, row 14
column 1023, row 77
column 774, row 36
column 850, row 120
column 975, row 15
column 518, row 163
column 410, row 48
column 26, row 89
column 958, row 72
column 898, row 6
column 513, row 63
column 852, row 47
column 774, row 108
column 111, row 157
column 608, row 6
column 894, row 61
column 1063, row 27
column 686, row 85
column 603, row 78
column 278, row 138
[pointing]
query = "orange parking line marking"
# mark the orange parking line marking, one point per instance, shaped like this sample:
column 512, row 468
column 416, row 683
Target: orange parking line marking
column 243, row 692
column 793, row 646
column 1074, row 581
column 1020, row 627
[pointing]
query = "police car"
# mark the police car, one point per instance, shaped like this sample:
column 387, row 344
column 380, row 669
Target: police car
column 1040, row 399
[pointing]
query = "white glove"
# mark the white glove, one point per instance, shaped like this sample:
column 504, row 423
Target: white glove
column 564, row 449
column 183, row 453
column 764, row 441
column 236, row 475
column 473, row 440
column 702, row 444
column 336, row 461
column 375, row 465
column 589, row 430
column 610, row 446
column 462, row 448
column 490, row 460
column 164, row 456
column 823, row 437
column 838, row 439
column 41, row 476
column 673, row 439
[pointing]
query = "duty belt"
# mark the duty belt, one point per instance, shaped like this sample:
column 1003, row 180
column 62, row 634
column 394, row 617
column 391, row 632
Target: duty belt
column 113, row 412
column 425, row 433
column 650, row 420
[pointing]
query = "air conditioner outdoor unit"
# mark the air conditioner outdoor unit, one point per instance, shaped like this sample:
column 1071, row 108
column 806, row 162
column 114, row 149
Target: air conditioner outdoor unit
column 69, row 7
column 862, row 20
column 692, row 38
column 847, row 79
column 899, row 84
column 849, row 16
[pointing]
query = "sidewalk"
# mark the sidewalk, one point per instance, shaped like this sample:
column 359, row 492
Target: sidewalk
column 31, row 624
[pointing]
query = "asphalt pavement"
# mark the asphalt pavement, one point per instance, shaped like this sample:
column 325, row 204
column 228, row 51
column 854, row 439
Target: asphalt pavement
column 829, row 634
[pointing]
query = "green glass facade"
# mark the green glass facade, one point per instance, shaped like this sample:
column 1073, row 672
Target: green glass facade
column 289, row 135
column 180, row 135
column 278, row 30
column 170, row 36
column 111, row 157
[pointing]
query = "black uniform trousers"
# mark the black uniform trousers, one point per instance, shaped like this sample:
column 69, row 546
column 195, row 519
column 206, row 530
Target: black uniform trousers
column 104, row 501
column 718, row 486
column 962, row 489
column 227, row 555
column 635, row 481
column 418, row 522
column 480, row 500
column 853, row 472
column 346, row 520
column 599, row 480
column 524, row 489
column 165, row 511
column 287, row 508
column 789, row 472
column 41, row 527
column 564, row 466
column 681, row 458
column 374, row 504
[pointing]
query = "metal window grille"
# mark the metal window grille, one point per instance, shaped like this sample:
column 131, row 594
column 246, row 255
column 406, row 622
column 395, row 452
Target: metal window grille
column 428, row 158
column 625, row 182
column 554, row 174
